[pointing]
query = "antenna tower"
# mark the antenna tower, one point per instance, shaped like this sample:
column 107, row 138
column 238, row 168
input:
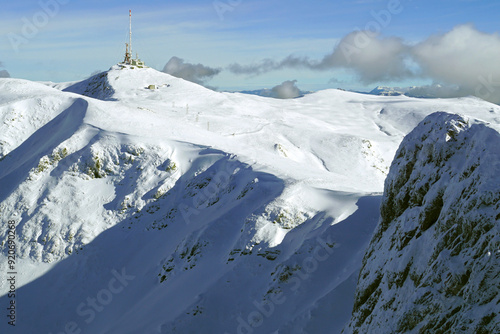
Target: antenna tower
column 128, row 50
column 130, row 32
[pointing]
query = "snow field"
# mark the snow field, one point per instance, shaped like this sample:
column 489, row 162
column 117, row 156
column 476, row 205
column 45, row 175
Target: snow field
column 216, row 203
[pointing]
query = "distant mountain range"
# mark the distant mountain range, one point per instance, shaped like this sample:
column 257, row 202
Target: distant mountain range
column 267, row 92
column 431, row 91
column 389, row 91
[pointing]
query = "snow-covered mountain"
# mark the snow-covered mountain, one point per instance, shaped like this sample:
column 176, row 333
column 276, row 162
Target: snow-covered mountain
column 267, row 92
column 427, row 91
column 183, row 210
column 433, row 263
column 388, row 91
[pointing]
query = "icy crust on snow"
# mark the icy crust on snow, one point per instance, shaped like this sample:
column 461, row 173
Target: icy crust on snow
column 433, row 263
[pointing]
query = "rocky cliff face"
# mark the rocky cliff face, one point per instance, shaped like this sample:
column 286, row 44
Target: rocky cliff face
column 433, row 263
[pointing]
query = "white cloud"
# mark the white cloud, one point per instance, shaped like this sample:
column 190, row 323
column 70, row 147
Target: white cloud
column 197, row 73
column 436, row 90
column 465, row 57
column 373, row 59
column 4, row 73
column 286, row 90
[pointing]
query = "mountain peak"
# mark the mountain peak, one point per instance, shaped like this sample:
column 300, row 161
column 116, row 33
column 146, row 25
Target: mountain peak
column 122, row 82
column 432, row 264
column 387, row 91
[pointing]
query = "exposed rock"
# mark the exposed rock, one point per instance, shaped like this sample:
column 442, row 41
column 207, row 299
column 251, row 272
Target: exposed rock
column 433, row 263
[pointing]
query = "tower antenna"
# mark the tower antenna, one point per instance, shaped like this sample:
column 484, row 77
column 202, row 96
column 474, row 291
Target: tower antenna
column 130, row 33
column 133, row 63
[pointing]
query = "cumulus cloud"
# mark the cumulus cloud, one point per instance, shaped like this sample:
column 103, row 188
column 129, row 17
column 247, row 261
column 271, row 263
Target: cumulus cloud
column 286, row 90
column 436, row 90
column 4, row 73
column 197, row 73
column 464, row 60
column 464, row 57
column 373, row 59
column 268, row 65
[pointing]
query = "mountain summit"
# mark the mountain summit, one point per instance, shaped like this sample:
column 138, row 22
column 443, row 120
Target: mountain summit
column 432, row 265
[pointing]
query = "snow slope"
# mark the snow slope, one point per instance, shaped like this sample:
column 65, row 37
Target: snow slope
column 180, row 208
column 433, row 263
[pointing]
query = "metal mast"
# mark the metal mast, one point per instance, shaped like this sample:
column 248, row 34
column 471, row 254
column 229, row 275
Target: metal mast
column 130, row 33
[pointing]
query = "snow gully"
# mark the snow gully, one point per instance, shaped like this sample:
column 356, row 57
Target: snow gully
column 266, row 308
column 220, row 181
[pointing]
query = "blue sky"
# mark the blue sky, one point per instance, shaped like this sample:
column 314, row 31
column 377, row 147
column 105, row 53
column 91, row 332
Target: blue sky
column 74, row 38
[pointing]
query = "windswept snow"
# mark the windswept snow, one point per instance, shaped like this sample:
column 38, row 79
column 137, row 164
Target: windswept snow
column 215, row 207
